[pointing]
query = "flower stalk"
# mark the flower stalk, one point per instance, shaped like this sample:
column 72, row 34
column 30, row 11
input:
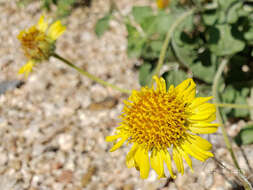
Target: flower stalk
column 90, row 76
column 243, row 179
column 220, row 120
column 237, row 106
column 218, row 115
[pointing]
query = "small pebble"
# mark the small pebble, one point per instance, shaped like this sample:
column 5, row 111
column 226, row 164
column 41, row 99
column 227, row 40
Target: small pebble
column 66, row 176
column 66, row 142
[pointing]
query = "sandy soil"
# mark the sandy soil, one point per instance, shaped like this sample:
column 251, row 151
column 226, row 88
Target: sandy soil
column 53, row 127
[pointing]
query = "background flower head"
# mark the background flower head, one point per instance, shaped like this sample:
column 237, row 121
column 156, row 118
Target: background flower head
column 157, row 122
column 38, row 42
column 162, row 3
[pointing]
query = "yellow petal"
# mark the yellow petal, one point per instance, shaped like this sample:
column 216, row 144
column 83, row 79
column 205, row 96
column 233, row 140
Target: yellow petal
column 171, row 89
column 197, row 147
column 200, row 100
column 186, row 157
column 134, row 96
column 166, row 157
column 118, row 144
column 188, row 149
column 56, row 30
column 184, row 85
column 142, row 161
column 178, row 160
column 161, row 84
column 27, row 68
column 205, row 154
column 203, row 112
column 203, row 128
column 112, row 138
column 42, row 25
column 204, row 124
column 202, row 119
column 190, row 92
column 156, row 162
column 200, row 142
column 21, row 34
column 206, row 107
column 211, row 118
column 130, row 156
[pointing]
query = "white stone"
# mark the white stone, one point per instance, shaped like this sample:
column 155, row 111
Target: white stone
column 208, row 181
column 3, row 158
column 66, row 142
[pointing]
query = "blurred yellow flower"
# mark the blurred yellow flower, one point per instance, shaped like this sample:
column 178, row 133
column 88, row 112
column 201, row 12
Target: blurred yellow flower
column 160, row 123
column 162, row 3
column 38, row 42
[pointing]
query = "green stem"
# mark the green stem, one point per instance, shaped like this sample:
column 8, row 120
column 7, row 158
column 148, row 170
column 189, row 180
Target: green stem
column 167, row 41
column 90, row 76
column 219, row 117
column 243, row 179
column 237, row 106
column 220, row 120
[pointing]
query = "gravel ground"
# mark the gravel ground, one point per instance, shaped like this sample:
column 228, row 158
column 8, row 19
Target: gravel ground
column 53, row 126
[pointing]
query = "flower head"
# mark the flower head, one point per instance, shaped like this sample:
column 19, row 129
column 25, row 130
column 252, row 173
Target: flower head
column 162, row 3
column 159, row 123
column 38, row 42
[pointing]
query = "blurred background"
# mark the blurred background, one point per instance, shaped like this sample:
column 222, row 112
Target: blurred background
column 54, row 123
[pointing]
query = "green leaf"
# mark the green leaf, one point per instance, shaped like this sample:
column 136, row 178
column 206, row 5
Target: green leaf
column 249, row 34
column 205, row 73
column 235, row 12
column 155, row 28
column 102, row 25
column 145, row 74
column 204, row 90
column 156, row 46
column 151, row 50
column 135, row 41
column 241, row 99
column 225, row 4
column 235, row 96
column 229, row 94
column 64, row 7
column 204, row 67
column 183, row 44
column 164, row 21
column 158, row 24
column 174, row 77
column 229, row 11
column 140, row 13
column 245, row 92
column 148, row 25
column 245, row 136
column 210, row 17
column 221, row 41
column 184, row 51
column 154, row 23
column 46, row 4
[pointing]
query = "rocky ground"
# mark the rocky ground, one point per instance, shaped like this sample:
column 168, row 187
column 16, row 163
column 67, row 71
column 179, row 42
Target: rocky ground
column 53, row 125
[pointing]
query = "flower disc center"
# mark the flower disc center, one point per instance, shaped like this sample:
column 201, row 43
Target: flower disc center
column 36, row 44
column 157, row 120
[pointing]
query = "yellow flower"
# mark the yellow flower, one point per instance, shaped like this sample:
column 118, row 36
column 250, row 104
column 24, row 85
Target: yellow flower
column 38, row 42
column 159, row 123
column 162, row 3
